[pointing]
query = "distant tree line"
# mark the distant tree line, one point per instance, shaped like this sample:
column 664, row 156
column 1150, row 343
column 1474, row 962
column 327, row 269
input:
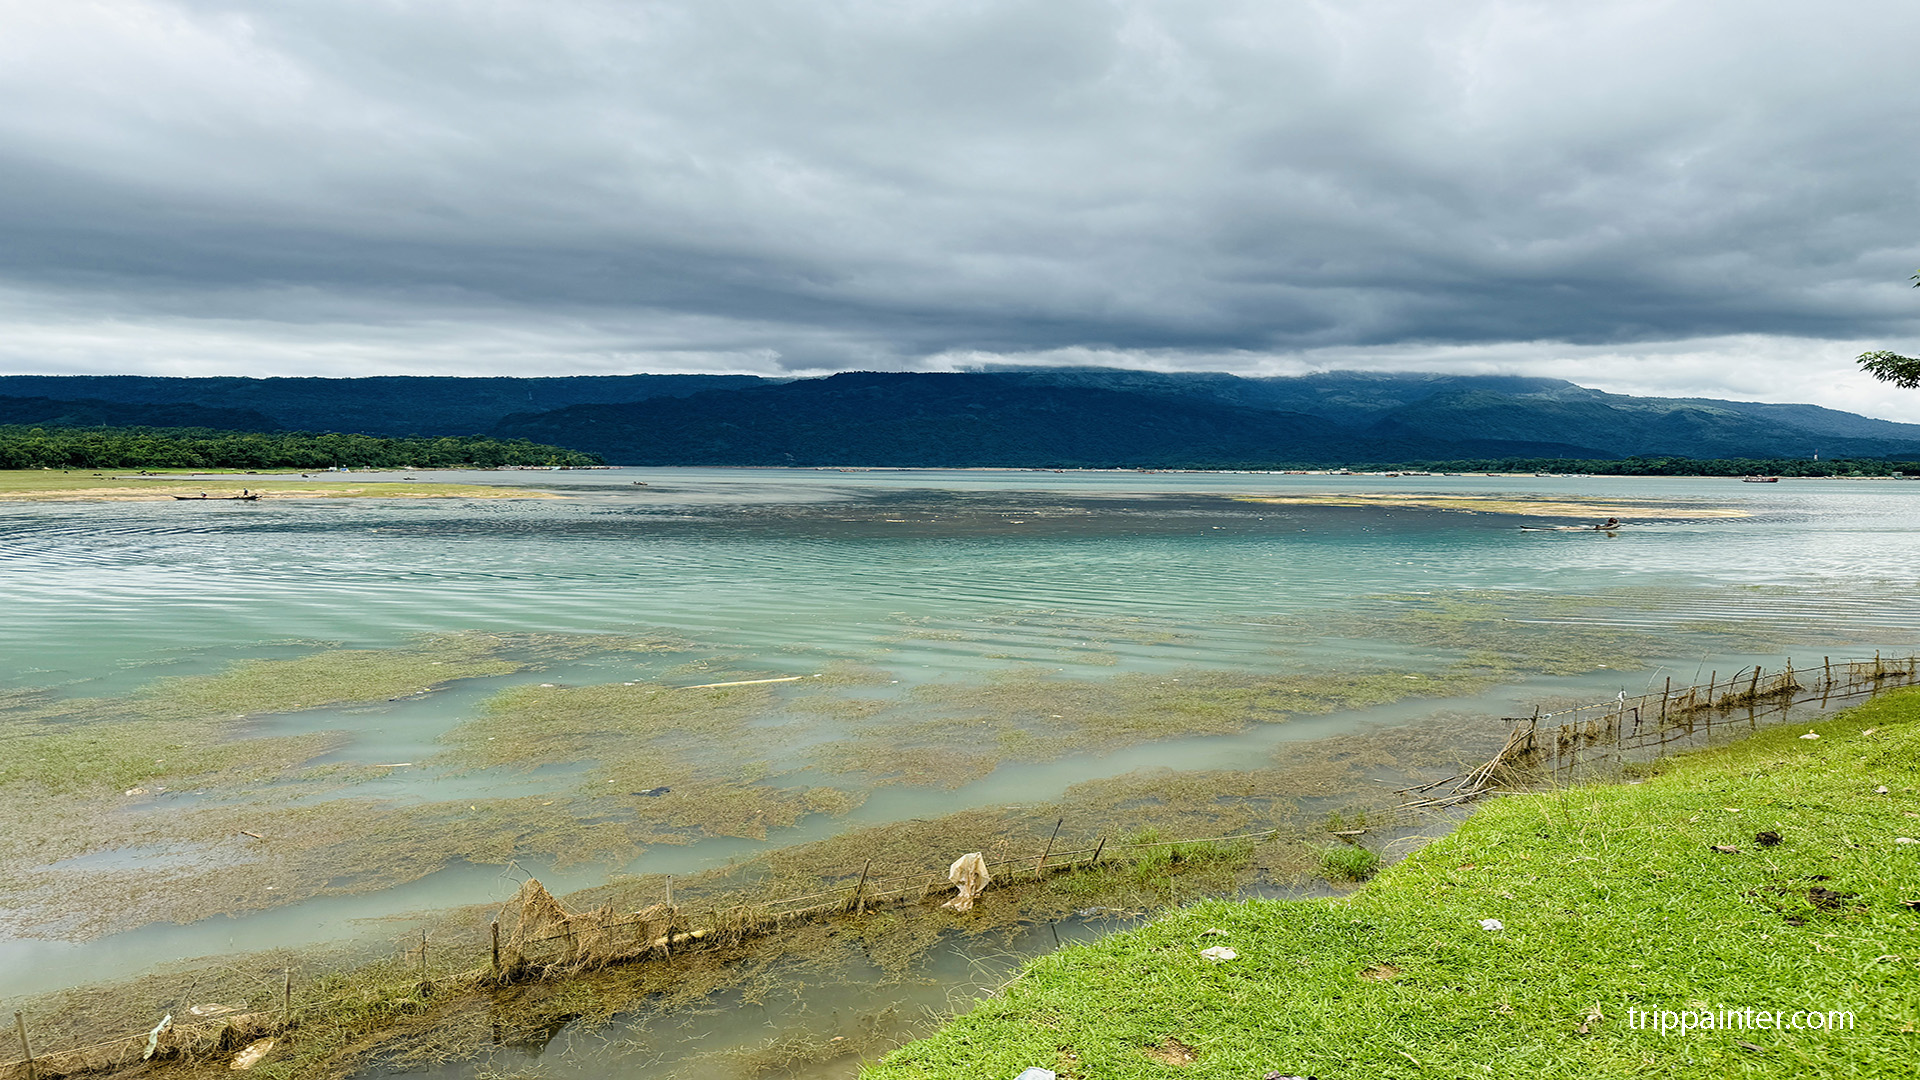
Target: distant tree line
column 24, row 447
column 1671, row 466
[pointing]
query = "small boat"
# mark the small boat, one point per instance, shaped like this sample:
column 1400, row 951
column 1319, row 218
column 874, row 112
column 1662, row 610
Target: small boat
column 217, row 498
column 1759, row 479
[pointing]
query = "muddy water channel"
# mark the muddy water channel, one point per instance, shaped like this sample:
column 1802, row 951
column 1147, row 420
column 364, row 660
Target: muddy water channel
column 241, row 737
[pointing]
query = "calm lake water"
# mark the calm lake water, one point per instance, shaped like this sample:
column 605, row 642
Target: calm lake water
column 929, row 577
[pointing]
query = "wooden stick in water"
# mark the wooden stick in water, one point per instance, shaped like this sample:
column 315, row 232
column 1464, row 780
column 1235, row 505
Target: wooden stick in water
column 20, row 1024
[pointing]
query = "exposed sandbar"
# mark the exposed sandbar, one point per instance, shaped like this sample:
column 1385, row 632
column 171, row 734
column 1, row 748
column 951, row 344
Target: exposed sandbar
column 43, row 485
column 1519, row 505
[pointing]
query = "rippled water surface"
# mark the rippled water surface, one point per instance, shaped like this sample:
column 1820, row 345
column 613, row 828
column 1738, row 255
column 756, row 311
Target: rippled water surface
column 928, row 577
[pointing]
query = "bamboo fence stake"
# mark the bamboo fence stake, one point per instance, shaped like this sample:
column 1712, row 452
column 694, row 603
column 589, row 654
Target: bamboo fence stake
column 669, row 892
column 1098, row 848
column 20, row 1025
column 1040, row 864
column 859, row 885
column 496, row 949
column 286, row 998
column 1664, row 694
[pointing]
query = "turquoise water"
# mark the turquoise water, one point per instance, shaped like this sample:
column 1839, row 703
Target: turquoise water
column 101, row 596
column 929, row 577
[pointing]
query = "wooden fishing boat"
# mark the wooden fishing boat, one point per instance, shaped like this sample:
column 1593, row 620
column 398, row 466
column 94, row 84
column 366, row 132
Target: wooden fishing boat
column 217, row 498
column 1759, row 479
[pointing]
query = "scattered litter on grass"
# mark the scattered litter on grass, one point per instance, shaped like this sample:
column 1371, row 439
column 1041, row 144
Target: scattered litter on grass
column 1726, row 849
column 1492, row 925
column 1810, row 735
column 1219, row 954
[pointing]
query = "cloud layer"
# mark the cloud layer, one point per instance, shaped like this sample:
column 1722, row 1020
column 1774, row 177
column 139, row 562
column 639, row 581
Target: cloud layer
column 364, row 186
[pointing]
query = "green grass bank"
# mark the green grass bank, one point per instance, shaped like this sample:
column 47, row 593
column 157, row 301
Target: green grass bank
column 1666, row 894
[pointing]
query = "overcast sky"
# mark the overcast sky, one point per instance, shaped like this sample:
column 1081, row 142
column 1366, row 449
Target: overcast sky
column 1697, row 197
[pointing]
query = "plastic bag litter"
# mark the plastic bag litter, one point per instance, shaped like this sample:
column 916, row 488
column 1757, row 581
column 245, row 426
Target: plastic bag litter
column 248, row 1058
column 153, row 1037
column 1219, row 953
column 969, row 874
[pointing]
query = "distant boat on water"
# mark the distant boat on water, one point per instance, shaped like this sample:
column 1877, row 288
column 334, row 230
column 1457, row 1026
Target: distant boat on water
column 204, row 497
column 1759, row 479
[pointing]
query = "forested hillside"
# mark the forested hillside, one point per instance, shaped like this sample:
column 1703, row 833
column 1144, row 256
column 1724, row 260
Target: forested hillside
column 159, row 448
column 1054, row 417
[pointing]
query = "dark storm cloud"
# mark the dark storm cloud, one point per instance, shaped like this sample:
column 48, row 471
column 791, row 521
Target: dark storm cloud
column 732, row 184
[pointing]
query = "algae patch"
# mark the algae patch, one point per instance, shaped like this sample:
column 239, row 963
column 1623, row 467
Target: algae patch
column 953, row 733
column 182, row 727
column 183, row 764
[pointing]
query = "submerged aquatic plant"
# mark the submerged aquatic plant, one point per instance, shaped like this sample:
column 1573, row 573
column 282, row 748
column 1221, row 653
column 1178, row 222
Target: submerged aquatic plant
column 1349, row 862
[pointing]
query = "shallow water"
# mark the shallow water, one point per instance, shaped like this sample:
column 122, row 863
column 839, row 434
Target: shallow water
column 941, row 579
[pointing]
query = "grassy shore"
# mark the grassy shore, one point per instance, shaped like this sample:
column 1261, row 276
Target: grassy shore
column 89, row 485
column 1664, row 895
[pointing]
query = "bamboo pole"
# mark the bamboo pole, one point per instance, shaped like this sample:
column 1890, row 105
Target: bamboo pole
column 496, row 949
column 1664, row 694
column 20, row 1025
column 286, row 997
column 423, row 954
